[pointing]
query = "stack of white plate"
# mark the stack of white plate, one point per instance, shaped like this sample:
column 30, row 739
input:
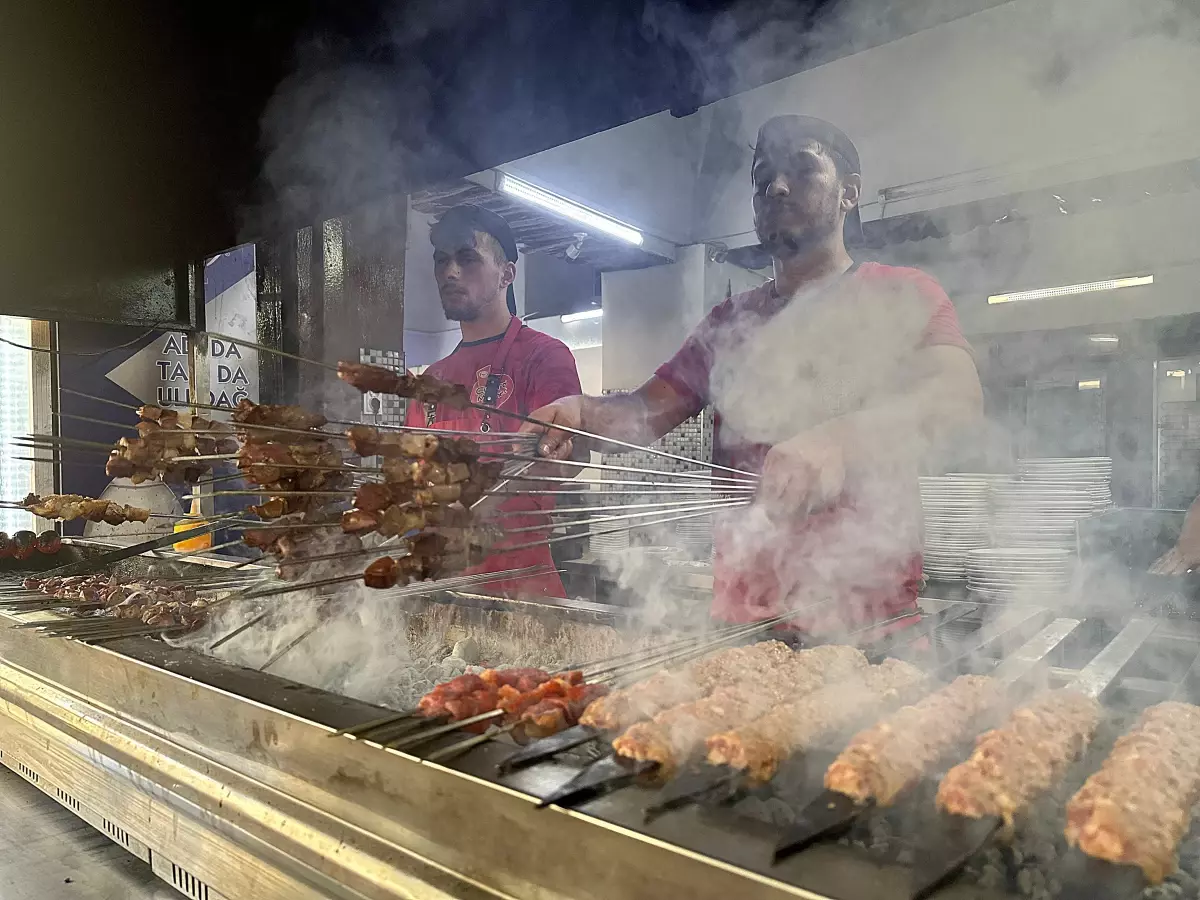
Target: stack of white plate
column 956, row 522
column 608, row 544
column 695, row 535
column 1033, row 514
column 1024, row 574
column 1092, row 474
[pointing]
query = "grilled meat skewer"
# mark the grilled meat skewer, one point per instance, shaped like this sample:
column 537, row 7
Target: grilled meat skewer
column 368, row 441
column 1137, row 808
column 673, row 735
column 882, row 761
column 422, row 388
column 69, row 507
column 1022, row 758
column 761, row 746
column 666, row 689
column 295, row 418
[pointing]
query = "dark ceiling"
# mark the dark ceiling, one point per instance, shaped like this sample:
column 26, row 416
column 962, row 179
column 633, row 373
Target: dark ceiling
column 138, row 133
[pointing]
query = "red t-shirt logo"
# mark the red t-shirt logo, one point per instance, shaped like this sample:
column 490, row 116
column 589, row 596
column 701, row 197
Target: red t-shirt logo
column 506, row 386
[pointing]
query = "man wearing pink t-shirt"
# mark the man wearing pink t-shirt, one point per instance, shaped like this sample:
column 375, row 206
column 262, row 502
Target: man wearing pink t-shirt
column 831, row 381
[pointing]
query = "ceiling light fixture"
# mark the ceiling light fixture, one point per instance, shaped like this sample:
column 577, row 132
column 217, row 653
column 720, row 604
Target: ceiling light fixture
column 568, row 209
column 1068, row 289
column 1089, row 385
column 580, row 316
column 1104, row 339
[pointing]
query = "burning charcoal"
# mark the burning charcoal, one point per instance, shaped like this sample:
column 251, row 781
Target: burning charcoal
column 467, row 650
column 778, row 813
column 452, row 666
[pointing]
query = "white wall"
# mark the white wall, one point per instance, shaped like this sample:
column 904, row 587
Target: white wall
column 1156, row 237
column 973, row 99
column 647, row 315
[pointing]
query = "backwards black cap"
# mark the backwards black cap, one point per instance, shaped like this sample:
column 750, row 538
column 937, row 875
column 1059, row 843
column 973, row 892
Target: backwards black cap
column 783, row 134
column 456, row 229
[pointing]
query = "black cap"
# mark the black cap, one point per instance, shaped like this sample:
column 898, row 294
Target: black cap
column 783, row 134
column 457, row 226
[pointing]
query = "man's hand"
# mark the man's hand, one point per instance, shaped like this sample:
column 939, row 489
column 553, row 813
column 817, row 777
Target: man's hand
column 804, row 473
column 555, row 444
column 1180, row 559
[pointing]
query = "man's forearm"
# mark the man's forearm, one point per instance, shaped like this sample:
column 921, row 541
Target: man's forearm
column 623, row 416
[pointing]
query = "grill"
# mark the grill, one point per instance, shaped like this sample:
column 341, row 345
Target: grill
column 231, row 774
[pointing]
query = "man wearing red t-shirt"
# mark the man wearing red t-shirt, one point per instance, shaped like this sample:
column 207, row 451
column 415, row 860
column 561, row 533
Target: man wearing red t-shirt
column 830, row 380
column 507, row 365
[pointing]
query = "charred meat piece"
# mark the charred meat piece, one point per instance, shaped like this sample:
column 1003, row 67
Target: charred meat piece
column 272, row 509
column 382, row 573
column 672, row 736
column 761, row 746
column 373, row 497
column 422, row 388
column 168, row 418
column 24, row 544
column 697, row 679
column 1024, row 757
column 291, row 417
column 884, row 760
column 356, row 521
column 1137, row 808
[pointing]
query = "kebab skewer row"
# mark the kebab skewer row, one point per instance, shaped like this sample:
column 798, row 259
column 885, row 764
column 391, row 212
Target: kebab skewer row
column 428, row 389
column 671, row 737
column 481, row 705
column 626, row 663
column 663, row 743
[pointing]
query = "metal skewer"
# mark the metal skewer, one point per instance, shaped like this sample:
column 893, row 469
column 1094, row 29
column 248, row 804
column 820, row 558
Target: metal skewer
column 578, row 432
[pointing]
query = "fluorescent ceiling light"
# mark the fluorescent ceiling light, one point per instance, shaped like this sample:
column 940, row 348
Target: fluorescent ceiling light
column 1176, row 373
column 580, row 316
column 1104, row 338
column 1086, row 288
column 1089, row 385
column 561, row 206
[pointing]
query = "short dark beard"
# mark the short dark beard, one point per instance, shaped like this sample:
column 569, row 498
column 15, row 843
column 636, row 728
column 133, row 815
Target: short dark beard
column 459, row 314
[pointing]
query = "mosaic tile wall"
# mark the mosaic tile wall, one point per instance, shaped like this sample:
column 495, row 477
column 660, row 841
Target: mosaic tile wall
column 382, row 409
column 692, row 439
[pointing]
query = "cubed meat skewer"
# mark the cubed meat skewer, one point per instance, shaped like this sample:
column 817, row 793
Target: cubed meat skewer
column 422, row 388
column 69, row 507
